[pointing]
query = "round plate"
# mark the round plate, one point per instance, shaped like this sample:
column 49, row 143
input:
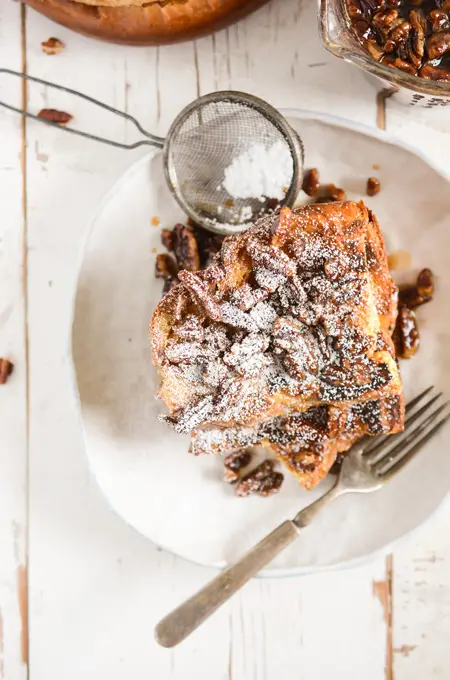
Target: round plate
column 143, row 468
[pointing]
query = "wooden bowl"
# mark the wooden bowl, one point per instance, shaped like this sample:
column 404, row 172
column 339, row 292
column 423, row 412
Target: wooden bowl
column 154, row 22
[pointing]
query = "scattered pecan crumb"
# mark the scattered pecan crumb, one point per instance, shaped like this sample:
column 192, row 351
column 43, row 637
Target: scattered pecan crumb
column 373, row 186
column 234, row 463
column 311, row 182
column 6, row 368
column 155, row 221
column 55, row 116
column 52, row 46
column 263, row 481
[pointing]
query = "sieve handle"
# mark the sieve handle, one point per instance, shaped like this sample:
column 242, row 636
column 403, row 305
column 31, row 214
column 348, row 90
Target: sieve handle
column 151, row 140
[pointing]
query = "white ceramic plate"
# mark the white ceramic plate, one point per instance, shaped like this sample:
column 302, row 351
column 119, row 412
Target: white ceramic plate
column 143, row 468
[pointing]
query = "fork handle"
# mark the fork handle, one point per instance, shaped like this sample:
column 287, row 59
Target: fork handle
column 177, row 625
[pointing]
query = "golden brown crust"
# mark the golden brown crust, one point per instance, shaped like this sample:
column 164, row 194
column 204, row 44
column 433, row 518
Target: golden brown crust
column 145, row 22
column 285, row 340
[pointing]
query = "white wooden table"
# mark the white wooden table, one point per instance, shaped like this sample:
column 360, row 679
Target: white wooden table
column 80, row 592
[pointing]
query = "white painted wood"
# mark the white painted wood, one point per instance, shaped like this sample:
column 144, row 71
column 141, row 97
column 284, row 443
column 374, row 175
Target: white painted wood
column 97, row 588
column 13, row 395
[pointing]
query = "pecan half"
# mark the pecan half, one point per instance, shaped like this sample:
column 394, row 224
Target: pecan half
column 437, row 44
column 406, row 334
column 234, row 463
column 166, row 268
column 373, row 186
column 330, row 193
column 185, row 248
column 410, row 297
column 52, row 46
column 263, row 481
column 439, row 20
column 167, row 239
column 431, row 72
column 425, row 284
column 311, row 182
column 6, row 368
column 55, row 116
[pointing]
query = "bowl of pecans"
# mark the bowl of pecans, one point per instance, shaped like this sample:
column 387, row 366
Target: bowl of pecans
column 404, row 43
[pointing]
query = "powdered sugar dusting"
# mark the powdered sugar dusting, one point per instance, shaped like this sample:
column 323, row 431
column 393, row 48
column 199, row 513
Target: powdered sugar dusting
column 298, row 320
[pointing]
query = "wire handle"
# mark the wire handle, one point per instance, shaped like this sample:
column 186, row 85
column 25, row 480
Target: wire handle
column 152, row 140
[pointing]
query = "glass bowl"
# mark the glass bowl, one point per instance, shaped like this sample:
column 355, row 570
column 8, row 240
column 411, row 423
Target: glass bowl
column 338, row 38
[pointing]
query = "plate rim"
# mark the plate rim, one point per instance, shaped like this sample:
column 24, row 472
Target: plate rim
column 286, row 572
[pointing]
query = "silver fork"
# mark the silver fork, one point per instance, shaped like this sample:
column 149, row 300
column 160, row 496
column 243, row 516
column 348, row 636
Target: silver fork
column 366, row 467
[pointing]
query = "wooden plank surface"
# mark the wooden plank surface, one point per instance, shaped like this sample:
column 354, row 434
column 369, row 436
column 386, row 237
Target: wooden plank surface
column 96, row 588
column 13, row 334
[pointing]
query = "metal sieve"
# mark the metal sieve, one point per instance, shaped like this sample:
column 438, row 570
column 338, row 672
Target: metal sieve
column 205, row 139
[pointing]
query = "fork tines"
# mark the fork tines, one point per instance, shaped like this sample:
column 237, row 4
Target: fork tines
column 391, row 453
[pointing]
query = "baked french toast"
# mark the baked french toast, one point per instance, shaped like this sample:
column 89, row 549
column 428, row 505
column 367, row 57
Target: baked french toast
column 292, row 319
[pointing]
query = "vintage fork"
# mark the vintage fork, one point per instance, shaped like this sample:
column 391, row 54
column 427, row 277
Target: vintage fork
column 366, row 467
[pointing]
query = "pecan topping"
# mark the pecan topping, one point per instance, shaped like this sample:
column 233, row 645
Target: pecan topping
column 52, row 46
column 311, row 183
column 425, row 284
column 55, row 116
column 185, row 248
column 234, row 463
column 373, row 186
column 6, row 368
column 263, row 481
column 406, row 334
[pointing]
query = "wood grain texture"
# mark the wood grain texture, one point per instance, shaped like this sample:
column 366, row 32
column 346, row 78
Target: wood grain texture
column 13, row 395
column 97, row 588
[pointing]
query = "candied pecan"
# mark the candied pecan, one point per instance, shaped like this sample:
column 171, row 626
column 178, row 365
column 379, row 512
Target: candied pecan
column 165, row 267
column 404, row 66
column 431, row 72
column 55, row 116
column 208, row 244
column 374, row 50
column 6, row 368
column 167, row 239
column 425, row 284
column 311, row 183
column 437, row 44
column 263, row 480
column 388, row 47
column 439, row 20
column 401, row 32
column 410, row 297
column 364, row 30
column 373, row 186
column 234, row 463
column 406, row 334
column 384, row 21
column 185, row 248
column 330, row 193
column 417, row 20
column 270, row 485
column 52, row 46
column 369, row 7
column 354, row 10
